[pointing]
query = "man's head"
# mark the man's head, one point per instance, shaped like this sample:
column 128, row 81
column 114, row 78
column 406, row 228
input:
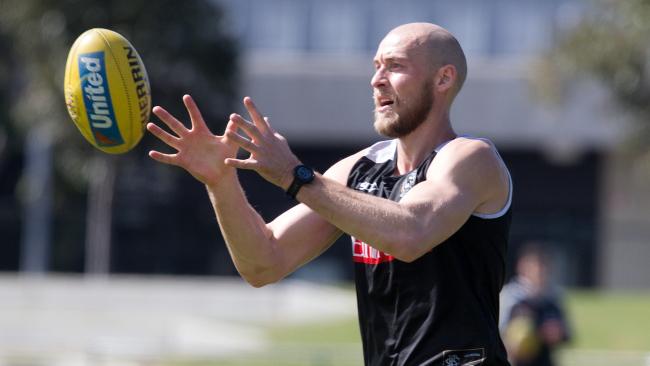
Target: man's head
column 416, row 65
column 533, row 264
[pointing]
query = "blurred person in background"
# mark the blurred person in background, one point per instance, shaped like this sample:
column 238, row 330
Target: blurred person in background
column 428, row 211
column 532, row 320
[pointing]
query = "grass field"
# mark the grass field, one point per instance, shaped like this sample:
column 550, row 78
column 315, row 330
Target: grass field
column 618, row 321
column 608, row 329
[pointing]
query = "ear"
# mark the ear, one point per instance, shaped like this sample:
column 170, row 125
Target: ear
column 445, row 78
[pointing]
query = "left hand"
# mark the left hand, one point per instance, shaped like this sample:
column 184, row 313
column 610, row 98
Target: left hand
column 200, row 152
column 270, row 155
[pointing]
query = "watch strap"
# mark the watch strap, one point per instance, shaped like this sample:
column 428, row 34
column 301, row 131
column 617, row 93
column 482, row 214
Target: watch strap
column 293, row 189
column 300, row 179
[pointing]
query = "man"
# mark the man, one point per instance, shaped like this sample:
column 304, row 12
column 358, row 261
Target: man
column 532, row 319
column 428, row 211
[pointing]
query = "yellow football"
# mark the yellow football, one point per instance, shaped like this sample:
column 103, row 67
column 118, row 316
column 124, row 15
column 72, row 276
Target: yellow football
column 520, row 338
column 107, row 90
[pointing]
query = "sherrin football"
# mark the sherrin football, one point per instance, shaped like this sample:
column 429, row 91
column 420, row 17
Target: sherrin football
column 107, row 90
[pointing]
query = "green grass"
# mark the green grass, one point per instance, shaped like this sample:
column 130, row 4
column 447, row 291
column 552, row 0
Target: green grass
column 344, row 331
column 613, row 321
column 315, row 344
column 608, row 329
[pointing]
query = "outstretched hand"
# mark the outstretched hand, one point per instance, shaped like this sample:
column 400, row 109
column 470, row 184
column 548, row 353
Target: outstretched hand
column 270, row 155
column 199, row 151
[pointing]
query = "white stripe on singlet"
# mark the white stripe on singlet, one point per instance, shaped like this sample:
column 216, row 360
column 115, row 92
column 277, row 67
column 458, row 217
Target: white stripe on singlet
column 383, row 151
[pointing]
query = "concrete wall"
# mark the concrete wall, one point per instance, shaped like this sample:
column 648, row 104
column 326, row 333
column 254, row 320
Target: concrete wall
column 328, row 99
column 625, row 250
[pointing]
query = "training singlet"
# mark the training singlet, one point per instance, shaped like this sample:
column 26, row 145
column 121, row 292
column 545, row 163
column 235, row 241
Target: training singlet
column 441, row 309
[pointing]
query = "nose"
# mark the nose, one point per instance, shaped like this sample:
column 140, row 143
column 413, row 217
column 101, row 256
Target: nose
column 379, row 78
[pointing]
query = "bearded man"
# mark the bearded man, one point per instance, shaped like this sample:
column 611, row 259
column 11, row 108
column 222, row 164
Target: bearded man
column 428, row 211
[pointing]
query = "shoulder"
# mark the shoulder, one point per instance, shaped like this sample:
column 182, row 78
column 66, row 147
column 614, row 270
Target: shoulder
column 381, row 151
column 473, row 165
column 468, row 155
column 465, row 147
column 378, row 152
column 515, row 289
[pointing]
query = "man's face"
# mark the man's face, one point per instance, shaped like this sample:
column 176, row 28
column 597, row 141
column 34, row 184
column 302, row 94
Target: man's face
column 402, row 87
column 535, row 270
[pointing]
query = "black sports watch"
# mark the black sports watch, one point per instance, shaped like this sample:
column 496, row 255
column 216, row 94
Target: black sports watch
column 302, row 175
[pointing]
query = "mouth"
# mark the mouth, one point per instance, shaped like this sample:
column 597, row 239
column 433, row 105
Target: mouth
column 383, row 103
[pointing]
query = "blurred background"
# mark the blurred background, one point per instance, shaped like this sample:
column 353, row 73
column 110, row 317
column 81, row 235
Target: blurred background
column 117, row 260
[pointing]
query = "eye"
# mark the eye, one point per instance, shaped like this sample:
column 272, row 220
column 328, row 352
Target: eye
column 394, row 66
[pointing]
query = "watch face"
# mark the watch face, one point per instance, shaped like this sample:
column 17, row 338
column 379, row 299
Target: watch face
column 304, row 174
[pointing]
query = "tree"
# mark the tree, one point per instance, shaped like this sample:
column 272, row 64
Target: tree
column 610, row 44
column 184, row 46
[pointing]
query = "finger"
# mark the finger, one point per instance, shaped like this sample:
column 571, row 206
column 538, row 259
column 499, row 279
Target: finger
column 248, row 164
column 244, row 143
column 250, row 129
column 163, row 158
column 163, row 135
column 255, row 115
column 230, row 127
column 268, row 125
column 195, row 113
column 171, row 121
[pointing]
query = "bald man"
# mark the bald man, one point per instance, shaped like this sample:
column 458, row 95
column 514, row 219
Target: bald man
column 428, row 211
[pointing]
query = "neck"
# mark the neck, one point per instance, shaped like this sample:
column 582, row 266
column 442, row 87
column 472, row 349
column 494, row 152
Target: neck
column 413, row 148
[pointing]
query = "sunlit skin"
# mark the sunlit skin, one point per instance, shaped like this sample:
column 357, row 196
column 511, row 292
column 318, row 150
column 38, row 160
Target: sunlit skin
column 420, row 69
column 408, row 60
column 402, row 88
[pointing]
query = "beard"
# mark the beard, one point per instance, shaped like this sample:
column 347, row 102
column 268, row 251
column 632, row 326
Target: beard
column 414, row 113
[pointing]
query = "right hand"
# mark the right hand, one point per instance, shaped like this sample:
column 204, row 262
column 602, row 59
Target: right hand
column 200, row 152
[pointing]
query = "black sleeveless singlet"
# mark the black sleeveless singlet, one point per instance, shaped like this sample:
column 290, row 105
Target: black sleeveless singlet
column 441, row 309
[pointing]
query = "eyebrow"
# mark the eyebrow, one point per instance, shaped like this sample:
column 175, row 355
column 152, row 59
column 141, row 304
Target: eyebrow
column 391, row 58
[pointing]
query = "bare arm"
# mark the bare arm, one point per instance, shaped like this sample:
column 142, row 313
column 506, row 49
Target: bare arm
column 466, row 177
column 265, row 253
column 262, row 253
